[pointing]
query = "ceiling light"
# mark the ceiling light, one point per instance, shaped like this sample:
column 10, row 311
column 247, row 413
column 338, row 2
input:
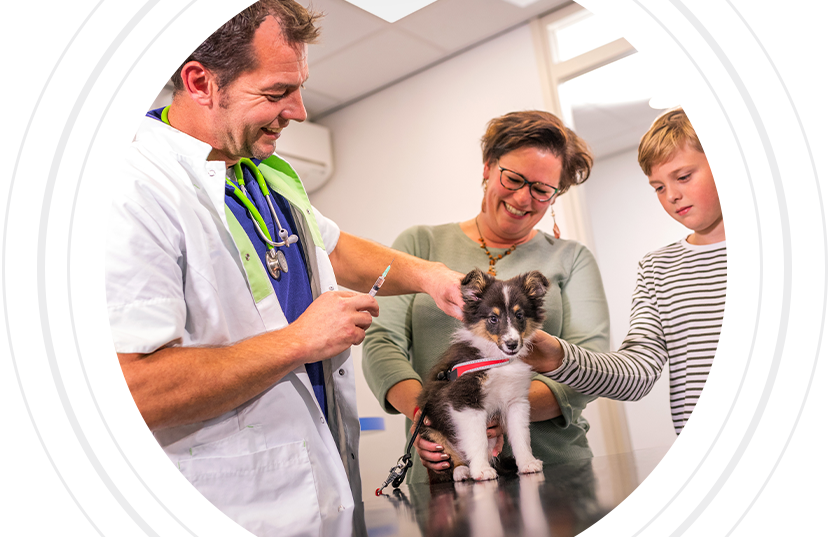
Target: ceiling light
column 391, row 11
column 580, row 33
column 663, row 102
column 521, row 3
column 629, row 80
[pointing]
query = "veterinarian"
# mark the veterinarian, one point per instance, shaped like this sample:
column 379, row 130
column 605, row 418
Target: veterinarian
column 530, row 158
column 221, row 283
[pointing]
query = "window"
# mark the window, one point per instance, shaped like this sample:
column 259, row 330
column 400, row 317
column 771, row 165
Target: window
column 578, row 33
column 597, row 82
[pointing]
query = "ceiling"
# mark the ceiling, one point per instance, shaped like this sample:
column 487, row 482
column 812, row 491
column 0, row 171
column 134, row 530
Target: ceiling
column 359, row 53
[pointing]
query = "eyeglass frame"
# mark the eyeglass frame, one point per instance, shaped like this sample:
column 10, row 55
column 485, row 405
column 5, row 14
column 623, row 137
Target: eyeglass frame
column 527, row 183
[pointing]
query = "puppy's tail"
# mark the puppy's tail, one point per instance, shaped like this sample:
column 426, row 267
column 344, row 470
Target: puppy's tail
column 443, row 476
column 505, row 465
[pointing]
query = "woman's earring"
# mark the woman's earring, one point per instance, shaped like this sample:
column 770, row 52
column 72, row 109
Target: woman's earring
column 555, row 227
column 484, row 188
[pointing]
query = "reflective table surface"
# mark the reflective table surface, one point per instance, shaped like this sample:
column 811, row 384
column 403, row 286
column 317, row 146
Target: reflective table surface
column 563, row 500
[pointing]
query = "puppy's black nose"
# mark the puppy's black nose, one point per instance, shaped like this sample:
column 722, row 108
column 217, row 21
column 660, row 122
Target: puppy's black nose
column 511, row 345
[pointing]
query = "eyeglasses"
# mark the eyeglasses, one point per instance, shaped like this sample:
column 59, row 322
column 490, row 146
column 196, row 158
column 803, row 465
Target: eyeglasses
column 516, row 181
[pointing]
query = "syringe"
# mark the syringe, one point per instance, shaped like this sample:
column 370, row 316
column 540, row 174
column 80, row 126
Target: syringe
column 380, row 280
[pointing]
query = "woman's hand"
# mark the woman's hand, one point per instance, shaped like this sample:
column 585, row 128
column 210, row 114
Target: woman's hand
column 432, row 455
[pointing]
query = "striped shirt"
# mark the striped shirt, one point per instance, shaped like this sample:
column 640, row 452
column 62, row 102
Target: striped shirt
column 676, row 316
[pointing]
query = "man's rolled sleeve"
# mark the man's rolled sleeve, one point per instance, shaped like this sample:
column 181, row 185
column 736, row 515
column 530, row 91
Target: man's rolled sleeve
column 144, row 275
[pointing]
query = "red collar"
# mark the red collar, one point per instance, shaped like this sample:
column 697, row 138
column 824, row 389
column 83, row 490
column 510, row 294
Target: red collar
column 482, row 364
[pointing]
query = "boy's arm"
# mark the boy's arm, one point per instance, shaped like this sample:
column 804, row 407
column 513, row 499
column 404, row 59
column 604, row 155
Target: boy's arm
column 626, row 375
column 585, row 322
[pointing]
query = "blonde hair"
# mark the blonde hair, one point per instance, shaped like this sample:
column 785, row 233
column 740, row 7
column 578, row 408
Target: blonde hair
column 669, row 132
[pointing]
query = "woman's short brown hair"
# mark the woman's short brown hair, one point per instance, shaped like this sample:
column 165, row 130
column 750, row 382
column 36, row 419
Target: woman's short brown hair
column 669, row 132
column 542, row 130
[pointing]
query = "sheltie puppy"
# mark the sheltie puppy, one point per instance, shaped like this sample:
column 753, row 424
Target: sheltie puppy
column 482, row 376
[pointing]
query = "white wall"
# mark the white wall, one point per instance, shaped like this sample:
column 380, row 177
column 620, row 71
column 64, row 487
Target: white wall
column 410, row 154
column 628, row 222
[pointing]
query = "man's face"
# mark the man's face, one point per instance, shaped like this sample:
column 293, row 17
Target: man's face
column 254, row 108
column 686, row 190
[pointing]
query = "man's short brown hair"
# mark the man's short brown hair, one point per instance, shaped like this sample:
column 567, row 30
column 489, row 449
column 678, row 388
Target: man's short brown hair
column 228, row 52
column 669, row 132
column 542, row 130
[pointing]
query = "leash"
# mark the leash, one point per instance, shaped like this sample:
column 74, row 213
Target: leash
column 398, row 472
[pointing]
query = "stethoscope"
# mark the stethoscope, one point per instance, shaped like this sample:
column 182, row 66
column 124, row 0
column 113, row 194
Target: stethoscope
column 274, row 259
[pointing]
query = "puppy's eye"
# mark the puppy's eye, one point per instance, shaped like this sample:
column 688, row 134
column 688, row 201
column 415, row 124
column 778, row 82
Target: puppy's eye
column 493, row 319
column 520, row 315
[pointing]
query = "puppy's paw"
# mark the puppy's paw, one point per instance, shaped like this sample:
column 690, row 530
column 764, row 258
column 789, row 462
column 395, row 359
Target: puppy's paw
column 485, row 474
column 460, row 473
column 531, row 467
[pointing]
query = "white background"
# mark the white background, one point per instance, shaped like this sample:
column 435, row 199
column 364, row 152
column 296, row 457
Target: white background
column 78, row 458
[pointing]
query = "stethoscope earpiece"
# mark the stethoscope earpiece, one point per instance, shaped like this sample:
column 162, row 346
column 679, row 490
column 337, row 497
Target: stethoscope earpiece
column 286, row 238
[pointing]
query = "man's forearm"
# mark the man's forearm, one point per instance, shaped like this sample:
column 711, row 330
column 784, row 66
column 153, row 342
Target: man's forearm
column 180, row 385
column 358, row 262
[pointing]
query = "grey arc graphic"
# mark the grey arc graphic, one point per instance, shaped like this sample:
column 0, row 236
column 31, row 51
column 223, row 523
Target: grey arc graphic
column 791, row 314
column 40, row 267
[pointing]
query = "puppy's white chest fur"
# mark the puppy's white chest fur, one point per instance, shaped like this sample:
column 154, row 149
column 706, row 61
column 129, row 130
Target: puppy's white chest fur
column 505, row 385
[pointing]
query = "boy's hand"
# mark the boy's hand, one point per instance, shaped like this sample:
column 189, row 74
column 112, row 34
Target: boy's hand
column 546, row 354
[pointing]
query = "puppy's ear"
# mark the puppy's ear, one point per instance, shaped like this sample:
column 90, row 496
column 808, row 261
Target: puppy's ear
column 474, row 284
column 535, row 284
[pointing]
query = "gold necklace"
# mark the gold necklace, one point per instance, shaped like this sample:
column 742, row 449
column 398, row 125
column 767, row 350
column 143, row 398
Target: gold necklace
column 492, row 269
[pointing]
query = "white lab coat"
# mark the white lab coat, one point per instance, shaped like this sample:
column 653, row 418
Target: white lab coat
column 178, row 273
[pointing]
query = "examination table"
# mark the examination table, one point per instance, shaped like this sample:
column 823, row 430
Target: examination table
column 562, row 501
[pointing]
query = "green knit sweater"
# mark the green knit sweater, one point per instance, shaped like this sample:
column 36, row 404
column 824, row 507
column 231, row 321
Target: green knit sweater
column 411, row 332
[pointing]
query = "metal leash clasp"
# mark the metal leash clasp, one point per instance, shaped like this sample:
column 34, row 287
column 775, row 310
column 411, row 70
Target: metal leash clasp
column 396, row 473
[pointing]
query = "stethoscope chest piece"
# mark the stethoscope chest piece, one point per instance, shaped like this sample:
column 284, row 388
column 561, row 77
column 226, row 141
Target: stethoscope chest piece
column 276, row 262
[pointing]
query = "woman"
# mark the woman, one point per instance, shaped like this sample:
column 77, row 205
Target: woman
column 530, row 158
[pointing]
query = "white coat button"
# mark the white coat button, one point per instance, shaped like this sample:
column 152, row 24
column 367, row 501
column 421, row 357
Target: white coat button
column 341, row 508
column 331, row 288
column 322, row 419
column 211, row 173
column 342, row 372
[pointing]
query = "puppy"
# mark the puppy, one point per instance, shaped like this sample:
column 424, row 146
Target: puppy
column 460, row 398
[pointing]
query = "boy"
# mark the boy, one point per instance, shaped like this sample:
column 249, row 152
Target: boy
column 678, row 303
